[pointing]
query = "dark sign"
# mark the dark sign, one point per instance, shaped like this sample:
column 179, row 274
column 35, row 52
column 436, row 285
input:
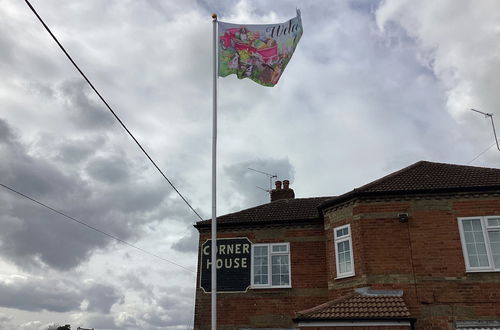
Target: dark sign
column 233, row 265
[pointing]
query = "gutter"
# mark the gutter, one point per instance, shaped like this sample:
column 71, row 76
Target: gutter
column 206, row 225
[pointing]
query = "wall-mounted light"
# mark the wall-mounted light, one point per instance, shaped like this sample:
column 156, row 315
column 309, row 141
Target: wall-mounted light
column 403, row 217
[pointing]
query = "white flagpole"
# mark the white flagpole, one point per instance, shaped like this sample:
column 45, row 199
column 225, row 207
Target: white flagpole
column 214, row 179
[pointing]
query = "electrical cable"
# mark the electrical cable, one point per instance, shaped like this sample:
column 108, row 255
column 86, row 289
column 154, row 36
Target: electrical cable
column 473, row 159
column 108, row 106
column 93, row 228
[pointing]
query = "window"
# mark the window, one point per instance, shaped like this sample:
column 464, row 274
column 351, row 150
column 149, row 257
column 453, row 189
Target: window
column 271, row 265
column 343, row 251
column 480, row 238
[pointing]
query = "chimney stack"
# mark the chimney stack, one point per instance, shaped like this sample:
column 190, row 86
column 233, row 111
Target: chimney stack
column 282, row 193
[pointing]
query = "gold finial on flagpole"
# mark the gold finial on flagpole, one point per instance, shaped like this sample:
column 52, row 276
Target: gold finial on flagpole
column 214, row 16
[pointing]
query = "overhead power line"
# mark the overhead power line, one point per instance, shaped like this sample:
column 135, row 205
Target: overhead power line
column 482, row 153
column 93, row 228
column 109, row 107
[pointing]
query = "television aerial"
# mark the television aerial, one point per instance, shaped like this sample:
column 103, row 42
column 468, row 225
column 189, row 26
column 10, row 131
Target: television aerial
column 271, row 177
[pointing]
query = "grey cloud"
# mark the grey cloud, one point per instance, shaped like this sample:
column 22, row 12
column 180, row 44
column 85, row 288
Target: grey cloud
column 188, row 243
column 101, row 297
column 244, row 182
column 32, row 236
column 37, row 296
column 110, row 169
column 56, row 295
column 75, row 151
column 6, row 134
column 39, row 238
column 5, row 321
column 86, row 111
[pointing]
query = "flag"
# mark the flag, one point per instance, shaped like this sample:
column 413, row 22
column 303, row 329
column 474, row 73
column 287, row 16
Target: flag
column 257, row 51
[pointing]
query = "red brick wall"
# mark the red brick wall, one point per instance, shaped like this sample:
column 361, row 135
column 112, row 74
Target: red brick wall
column 422, row 257
column 272, row 307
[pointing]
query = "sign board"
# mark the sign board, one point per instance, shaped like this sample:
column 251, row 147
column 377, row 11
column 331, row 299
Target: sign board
column 233, row 265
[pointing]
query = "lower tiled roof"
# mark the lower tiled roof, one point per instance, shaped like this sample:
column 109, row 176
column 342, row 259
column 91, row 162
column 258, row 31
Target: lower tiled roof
column 358, row 306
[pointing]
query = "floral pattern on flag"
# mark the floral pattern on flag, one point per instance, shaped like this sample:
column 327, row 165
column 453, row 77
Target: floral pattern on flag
column 258, row 52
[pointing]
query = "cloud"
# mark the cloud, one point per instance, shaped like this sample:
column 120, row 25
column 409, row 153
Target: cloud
column 6, row 134
column 101, row 297
column 84, row 108
column 248, row 186
column 187, row 243
column 5, row 321
column 111, row 169
column 115, row 198
column 457, row 41
column 56, row 295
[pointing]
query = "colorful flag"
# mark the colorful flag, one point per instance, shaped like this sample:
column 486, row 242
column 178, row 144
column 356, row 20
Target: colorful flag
column 255, row 51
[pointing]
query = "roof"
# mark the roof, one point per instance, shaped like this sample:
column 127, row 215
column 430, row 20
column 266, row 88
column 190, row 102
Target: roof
column 283, row 210
column 426, row 177
column 361, row 304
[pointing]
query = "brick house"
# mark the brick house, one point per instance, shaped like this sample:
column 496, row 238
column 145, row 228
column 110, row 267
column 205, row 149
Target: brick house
column 416, row 249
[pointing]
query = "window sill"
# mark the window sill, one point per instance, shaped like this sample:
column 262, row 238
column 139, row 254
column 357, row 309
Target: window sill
column 344, row 276
column 471, row 271
column 270, row 287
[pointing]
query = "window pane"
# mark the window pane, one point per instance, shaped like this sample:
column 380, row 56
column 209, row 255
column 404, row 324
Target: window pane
column 261, row 279
column 476, row 225
column 260, row 251
column 493, row 222
column 348, row 267
column 481, row 249
column 280, row 248
column 260, row 265
column 341, row 268
column 347, row 257
column 483, row 260
column 280, row 270
column 496, row 260
column 478, row 236
column 276, row 280
column 467, row 224
column 494, row 237
column 342, row 232
column 474, row 261
column 471, row 249
column 346, row 246
column 285, row 280
column 475, row 244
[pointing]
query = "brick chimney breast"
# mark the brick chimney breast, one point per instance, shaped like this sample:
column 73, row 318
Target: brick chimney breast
column 282, row 193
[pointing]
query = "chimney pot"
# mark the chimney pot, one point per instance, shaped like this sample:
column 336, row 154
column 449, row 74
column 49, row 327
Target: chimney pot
column 278, row 185
column 286, row 184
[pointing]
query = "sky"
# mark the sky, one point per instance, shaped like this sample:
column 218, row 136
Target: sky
column 372, row 87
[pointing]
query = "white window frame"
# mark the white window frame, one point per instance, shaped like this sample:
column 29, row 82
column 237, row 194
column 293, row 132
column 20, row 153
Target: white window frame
column 341, row 239
column 269, row 265
column 485, row 229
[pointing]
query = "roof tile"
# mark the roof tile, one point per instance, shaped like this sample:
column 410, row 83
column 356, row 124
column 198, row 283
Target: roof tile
column 356, row 305
column 293, row 209
column 425, row 177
